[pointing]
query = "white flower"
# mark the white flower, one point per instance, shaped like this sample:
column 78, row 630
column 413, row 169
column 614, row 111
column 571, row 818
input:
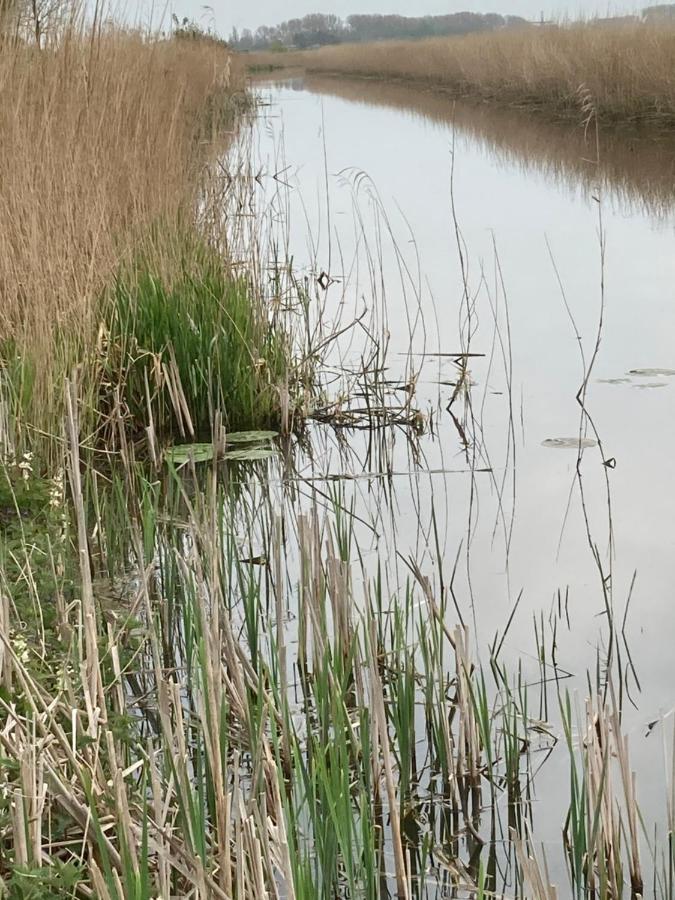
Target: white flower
column 57, row 491
column 21, row 648
column 25, row 466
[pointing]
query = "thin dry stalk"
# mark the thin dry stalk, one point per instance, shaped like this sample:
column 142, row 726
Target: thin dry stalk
column 380, row 719
column 92, row 685
column 535, row 876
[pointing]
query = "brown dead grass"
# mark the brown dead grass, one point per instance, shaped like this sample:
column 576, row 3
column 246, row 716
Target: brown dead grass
column 624, row 72
column 100, row 139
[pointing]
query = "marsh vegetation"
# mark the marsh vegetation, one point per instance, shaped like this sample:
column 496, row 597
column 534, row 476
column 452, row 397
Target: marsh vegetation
column 267, row 621
column 620, row 72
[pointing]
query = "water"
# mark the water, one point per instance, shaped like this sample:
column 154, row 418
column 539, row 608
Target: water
column 405, row 198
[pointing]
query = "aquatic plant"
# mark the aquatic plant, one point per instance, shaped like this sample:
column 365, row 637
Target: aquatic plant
column 180, row 351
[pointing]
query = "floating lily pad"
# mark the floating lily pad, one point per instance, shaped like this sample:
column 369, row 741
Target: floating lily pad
column 250, row 437
column 573, row 443
column 181, row 454
column 650, row 385
column 613, row 380
column 260, row 448
column 652, row 373
column 250, row 454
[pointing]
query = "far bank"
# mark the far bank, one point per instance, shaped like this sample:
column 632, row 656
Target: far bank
column 620, row 73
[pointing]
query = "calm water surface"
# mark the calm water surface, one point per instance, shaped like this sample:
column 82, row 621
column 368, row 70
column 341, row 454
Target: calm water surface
column 402, row 198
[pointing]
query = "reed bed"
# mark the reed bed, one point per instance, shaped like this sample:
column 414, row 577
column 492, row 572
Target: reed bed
column 206, row 690
column 106, row 139
column 623, row 72
column 206, row 694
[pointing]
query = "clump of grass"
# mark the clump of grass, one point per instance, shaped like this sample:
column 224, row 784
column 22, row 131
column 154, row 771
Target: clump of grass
column 625, row 68
column 182, row 349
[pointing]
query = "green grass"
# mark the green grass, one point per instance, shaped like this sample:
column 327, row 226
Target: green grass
column 183, row 343
column 185, row 348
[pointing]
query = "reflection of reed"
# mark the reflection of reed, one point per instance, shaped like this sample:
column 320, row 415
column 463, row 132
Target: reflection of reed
column 637, row 170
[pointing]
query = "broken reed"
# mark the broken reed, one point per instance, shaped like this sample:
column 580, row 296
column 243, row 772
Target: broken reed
column 625, row 68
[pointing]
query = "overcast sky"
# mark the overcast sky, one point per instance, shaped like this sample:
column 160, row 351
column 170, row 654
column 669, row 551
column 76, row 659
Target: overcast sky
column 224, row 14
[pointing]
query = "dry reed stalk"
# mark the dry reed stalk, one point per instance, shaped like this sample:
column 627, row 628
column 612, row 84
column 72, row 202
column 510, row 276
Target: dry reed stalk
column 278, row 587
column 536, row 880
column 19, row 827
column 5, row 659
column 338, row 583
column 380, row 721
column 313, row 587
column 613, row 813
column 600, row 799
column 92, row 683
column 630, row 801
column 670, row 782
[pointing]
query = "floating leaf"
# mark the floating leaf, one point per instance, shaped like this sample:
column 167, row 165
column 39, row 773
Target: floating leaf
column 650, row 385
column 652, row 373
column 613, row 380
column 181, row 454
column 569, row 443
column 250, row 437
column 250, row 454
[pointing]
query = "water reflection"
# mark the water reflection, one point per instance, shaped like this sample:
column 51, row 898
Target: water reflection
column 637, row 170
column 448, row 501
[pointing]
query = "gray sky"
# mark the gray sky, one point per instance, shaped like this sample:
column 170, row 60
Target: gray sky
column 224, row 14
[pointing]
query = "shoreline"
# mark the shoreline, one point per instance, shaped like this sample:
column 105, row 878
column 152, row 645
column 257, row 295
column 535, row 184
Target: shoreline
column 619, row 76
column 639, row 126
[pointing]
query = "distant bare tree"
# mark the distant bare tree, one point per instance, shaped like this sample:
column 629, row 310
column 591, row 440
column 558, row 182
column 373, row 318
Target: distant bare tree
column 35, row 19
column 45, row 17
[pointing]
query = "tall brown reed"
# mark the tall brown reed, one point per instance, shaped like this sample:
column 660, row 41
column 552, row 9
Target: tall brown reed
column 626, row 69
column 101, row 138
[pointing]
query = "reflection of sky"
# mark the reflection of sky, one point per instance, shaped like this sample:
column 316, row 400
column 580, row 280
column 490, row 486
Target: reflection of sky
column 409, row 161
column 637, row 168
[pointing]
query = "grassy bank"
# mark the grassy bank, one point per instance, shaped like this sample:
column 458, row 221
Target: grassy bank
column 133, row 315
column 624, row 73
column 113, row 216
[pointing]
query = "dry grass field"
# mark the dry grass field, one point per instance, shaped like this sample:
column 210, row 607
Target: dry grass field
column 624, row 72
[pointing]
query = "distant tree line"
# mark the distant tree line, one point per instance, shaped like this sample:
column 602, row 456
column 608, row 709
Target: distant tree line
column 34, row 20
column 658, row 13
column 318, row 30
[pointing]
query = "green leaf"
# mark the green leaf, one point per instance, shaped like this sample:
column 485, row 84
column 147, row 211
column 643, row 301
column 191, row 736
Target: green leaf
column 183, row 453
column 250, row 437
column 250, row 454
